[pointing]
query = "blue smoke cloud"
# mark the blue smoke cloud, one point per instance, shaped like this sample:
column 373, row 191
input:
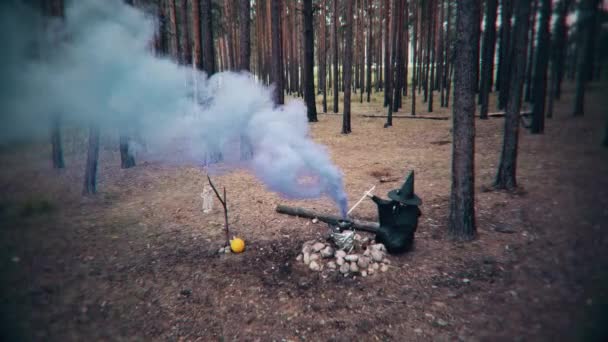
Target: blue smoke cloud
column 96, row 67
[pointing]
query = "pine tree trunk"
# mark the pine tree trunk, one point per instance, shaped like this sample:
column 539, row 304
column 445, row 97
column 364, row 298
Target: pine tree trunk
column 370, row 44
column 323, row 61
column 462, row 210
column 309, row 57
column 56, row 9
column 559, row 46
column 90, row 173
column 334, row 41
column 186, row 44
column 540, row 68
column 406, row 49
column 506, row 177
column 502, row 79
column 531, row 53
column 348, row 67
column 586, row 22
column 489, row 42
column 208, row 54
column 196, row 33
column 432, row 59
column 387, row 53
column 390, row 79
column 245, row 34
column 361, row 52
column 415, row 60
column 174, row 34
column 277, row 60
column 126, row 157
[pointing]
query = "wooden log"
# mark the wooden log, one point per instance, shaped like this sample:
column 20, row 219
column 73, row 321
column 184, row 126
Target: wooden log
column 367, row 226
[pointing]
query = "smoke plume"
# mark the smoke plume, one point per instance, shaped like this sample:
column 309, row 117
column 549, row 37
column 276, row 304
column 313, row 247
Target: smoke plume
column 96, row 67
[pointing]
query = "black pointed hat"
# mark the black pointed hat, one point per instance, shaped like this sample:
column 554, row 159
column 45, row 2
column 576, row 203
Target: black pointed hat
column 406, row 194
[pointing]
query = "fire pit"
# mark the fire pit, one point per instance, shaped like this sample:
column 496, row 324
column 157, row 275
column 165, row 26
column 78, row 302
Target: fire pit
column 365, row 258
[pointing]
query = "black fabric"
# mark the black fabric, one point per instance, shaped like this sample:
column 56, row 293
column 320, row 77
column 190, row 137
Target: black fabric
column 398, row 223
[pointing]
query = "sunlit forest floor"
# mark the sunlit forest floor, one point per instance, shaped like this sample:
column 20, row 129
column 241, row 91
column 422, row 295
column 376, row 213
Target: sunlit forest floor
column 139, row 260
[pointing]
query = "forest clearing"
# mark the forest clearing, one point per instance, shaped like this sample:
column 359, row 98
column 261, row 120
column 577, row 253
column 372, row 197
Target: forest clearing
column 155, row 155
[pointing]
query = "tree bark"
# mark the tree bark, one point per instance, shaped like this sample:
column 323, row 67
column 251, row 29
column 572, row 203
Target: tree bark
column 507, row 169
column 540, row 68
column 387, row 53
column 348, row 67
column 415, row 60
column 323, row 60
column 489, row 42
column 277, row 60
column 531, row 52
column 370, row 44
column 186, row 44
column 208, row 52
column 584, row 47
column 90, row 173
column 196, row 33
column 462, row 210
column 334, row 41
column 126, row 157
column 502, row 80
column 390, row 67
column 309, row 57
column 174, row 34
column 56, row 9
column 245, row 36
column 433, row 19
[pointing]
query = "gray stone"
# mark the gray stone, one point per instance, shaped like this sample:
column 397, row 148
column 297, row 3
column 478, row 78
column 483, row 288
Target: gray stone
column 307, row 249
column 364, row 273
column 340, row 254
column 351, row 257
column 314, row 256
column 363, row 262
column 379, row 247
column 344, row 268
column 377, row 255
column 331, row 265
column 340, row 261
column 318, row 246
column 384, row 268
column 371, row 270
column 327, row 252
column 314, row 266
column 440, row 322
column 375, row 266
column 306, row 258
column 354, row 267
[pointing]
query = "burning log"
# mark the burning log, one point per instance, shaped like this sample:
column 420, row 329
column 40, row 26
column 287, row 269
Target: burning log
column 335, row 220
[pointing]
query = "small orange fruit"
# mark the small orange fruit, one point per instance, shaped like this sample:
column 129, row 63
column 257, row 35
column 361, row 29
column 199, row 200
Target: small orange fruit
column 237, row 245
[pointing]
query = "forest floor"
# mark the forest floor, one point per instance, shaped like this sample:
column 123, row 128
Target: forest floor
column 139, row 260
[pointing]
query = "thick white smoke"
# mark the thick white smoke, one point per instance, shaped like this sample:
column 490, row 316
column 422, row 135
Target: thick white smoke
column 96, row 67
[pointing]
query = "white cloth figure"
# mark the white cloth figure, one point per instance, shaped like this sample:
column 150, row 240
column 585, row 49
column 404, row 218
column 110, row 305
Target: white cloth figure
column 207, row 197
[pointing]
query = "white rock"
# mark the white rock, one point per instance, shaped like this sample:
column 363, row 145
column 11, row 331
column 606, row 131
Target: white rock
column 340, row 254
column 221, row 251
column 364, row 273
column 375, row 266
column 331, row 265
column 363, row 262
column 344, row 268
column 377, row 255
column 306, row 249
column 318, row 246
column 386, row 261
column 371, row 271
column 306, row 258
column 418, row 331
column 357, row 237
column 384, row 268
column 365, row 240
column 351, row 257
column 327, row 252
column 354, row 267
column 315, row 220
column 314, row 266
column 299, row 257
column 367, row 252
column 227, row 250
column 314, row 256
column 340, row 261
column 379, row 247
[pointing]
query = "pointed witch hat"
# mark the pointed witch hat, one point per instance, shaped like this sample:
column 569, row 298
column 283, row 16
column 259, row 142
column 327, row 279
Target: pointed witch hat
column 406, row 194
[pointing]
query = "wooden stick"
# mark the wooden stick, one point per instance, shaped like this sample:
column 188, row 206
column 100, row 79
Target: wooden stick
column 367, row 226
column 223, row 201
